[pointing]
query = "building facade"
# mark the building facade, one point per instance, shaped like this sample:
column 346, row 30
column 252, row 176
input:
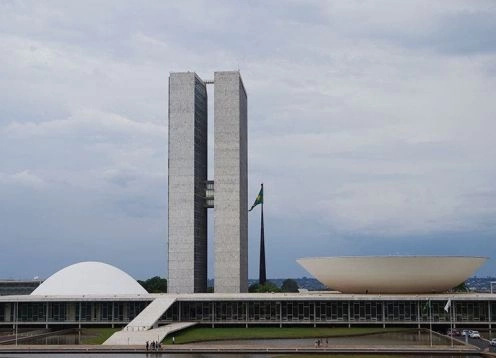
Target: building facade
column 312, row 309
column 190, row 191
column 188, row 163
column 231, row 183
column 18, row 287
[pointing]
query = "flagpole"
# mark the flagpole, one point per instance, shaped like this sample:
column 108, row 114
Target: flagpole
column 262, row 273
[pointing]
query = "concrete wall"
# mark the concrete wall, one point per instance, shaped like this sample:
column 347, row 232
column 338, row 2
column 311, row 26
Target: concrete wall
column 231, row 183
column 187, row 231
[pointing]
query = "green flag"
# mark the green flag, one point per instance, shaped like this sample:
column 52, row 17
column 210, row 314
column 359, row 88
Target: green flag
column 258, row 200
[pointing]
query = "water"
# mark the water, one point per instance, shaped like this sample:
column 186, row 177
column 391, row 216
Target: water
column 70, row 338
column 380, row 339
column 163, row 354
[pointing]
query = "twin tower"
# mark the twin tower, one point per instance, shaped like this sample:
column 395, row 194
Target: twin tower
column 191, row 193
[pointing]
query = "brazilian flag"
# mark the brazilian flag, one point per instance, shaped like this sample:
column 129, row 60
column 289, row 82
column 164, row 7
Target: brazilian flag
column 258, row 200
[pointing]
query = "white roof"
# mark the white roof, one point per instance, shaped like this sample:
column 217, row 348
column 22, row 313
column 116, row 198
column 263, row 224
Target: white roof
column 89, row 278
column 247, row 297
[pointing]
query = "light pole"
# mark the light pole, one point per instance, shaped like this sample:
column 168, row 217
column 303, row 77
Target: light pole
column 492, row 284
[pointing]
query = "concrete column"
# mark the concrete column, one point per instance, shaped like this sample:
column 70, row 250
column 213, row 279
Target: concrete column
column 383, row 314
column 47, row 314
column 418, row 314
column 489, row 316
column 314, row 315
column 213, row 314
column 247, row 313
column 349, row 314
column 8, row 312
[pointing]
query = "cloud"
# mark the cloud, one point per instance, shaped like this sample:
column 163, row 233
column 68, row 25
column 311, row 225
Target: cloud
column 83, row 122
column 24, row 178
column 463, row 28
column 370, row 124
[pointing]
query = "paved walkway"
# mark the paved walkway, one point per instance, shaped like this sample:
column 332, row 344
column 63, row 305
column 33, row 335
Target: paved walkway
column 240, row 349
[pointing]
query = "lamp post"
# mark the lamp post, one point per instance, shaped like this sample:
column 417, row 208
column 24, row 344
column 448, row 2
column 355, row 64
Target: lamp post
column 492, row 284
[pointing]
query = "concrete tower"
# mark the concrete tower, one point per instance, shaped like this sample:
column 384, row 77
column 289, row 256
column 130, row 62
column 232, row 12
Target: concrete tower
column 231, row 183
column 187, row 213
column 190, row 193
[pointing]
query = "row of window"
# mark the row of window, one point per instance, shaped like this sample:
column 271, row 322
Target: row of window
column 255, row 311
column 301, row 311
column 73, row 312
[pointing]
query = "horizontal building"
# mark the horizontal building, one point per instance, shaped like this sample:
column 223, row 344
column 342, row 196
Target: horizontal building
column 311, row 308
column 18, row 287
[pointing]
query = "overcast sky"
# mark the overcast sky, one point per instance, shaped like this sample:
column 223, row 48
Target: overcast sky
column 371, row 123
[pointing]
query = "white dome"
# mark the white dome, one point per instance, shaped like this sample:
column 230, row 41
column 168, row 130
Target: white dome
column 89, row 278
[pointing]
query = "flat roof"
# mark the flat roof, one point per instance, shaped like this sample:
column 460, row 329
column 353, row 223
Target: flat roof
column 304, row 296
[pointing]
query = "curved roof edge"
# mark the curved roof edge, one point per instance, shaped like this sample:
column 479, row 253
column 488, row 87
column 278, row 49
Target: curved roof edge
column 89, row 278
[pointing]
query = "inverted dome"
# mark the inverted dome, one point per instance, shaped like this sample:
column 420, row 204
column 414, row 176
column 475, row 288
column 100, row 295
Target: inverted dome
column 89, row 278
column 392, row 274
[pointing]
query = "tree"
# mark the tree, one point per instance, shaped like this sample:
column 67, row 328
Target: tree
column 462, row 287
column 253, row 287
column 267, row 287
column 154, row 285
column 289, row 285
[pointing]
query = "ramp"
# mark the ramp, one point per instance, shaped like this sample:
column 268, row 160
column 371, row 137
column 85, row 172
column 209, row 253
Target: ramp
column 141, row 337
column 149, row 317
column 144, row 327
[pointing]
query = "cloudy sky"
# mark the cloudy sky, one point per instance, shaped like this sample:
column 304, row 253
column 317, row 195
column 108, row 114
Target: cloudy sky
column 371, row 123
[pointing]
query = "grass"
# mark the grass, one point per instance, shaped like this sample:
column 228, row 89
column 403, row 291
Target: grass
column 202, row 334
column 96, row 335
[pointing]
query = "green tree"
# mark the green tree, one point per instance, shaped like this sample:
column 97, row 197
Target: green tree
column 154, row 285
column 253, row 287
column 267, row 287
column 462, row 287
column 289, row 285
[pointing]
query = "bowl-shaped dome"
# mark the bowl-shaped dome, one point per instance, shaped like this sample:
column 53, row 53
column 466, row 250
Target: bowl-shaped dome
column 392, row 274
column 90, row 278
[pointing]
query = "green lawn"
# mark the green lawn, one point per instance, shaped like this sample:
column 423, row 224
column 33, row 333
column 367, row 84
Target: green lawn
column 201, row 334
column 96, row 335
